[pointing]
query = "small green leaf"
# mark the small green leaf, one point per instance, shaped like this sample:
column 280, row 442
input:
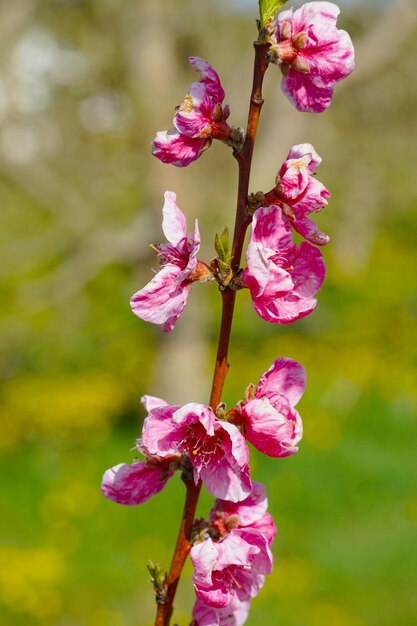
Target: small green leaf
column 222, row 246
column 268, row 8
column 157, row 577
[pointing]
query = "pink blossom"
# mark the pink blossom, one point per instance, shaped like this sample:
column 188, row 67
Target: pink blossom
column 199, row 119
column 282, row 277
column 313, row 54
column 299, row 193
column 234, row 614
column 268, row 417
column 217, row 450
column 231, row 570
column 163, row 299
column 134, row 484
column 250, row 513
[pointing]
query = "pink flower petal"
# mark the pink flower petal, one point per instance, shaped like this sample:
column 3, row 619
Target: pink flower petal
column 282, row 285
column 158, row 436
column 248, row 510
column 236, row 572
column 209, row 78
column 310, row 231
column 328, row 53
column 304, row 93
column 152, row 402
column 234, row 614
column 226, row 481
column 169, row 146
column 261, row 556
column 271, row 229
column 262, row 274
column 302, row 192
column 134, row 484
column 308, row 271
column 194, row 117
column 194, row 412
column 174, row 223
column 313, row 199
column 162, row 300
column 295, row 176
column 284, row 310
column 266, row 526
column 285, row 377
column 268, row 430
column 303, row 149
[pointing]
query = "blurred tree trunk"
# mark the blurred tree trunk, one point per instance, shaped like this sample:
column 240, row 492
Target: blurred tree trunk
column 181, row 363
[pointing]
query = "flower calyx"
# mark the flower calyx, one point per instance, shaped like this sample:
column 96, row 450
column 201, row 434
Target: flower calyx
column 202, row 273
column 222, row 525
column 285, row 53
column 220, row 411
column 186, row 468
column 266, row 32
column 236, row 139
column 255, row 201
column 200, row 530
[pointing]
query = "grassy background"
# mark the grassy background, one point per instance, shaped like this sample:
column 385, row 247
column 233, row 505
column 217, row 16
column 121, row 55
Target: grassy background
column 84, row 85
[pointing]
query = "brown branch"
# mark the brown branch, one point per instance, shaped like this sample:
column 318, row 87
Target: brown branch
column 242, row 222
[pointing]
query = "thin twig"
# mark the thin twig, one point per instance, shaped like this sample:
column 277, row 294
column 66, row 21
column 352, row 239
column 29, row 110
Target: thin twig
column 244, row 159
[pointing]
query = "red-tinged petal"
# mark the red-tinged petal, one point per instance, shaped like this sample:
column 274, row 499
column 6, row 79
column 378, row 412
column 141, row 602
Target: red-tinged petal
column 261, row 557
column 310, row 231
column 134, row 484
column 174, row 223
column 162, row 300
column 193, row 246
column 308, row 271
column 209, row 78
column 271, row 229
column 328, row 50
column 285, row 309
column 294, row 176
column 239, row 450
column 233, row 572
column 193, row 413
column 234, row 614
column 236, row 572
column 316, row 17
column 233, row 550
column 158, row 436
column 203, row 556
column 268, row 430
column 331, row 60
column 304, row 266
column 303, row 149
column 170, row 146
column 328, row 54
column 226, row 481
column 313, row 199
column 262, row 274
column 266, row 526
column 312, row 195
column 305, row 94
column 152, row 402
column 248, row 511
column 285, row 377
column 194, row 117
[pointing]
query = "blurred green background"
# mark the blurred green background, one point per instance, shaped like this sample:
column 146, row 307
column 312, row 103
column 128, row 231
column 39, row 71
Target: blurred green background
column 84, row 86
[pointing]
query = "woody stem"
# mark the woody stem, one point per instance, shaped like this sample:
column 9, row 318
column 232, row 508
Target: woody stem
column 242, row 221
